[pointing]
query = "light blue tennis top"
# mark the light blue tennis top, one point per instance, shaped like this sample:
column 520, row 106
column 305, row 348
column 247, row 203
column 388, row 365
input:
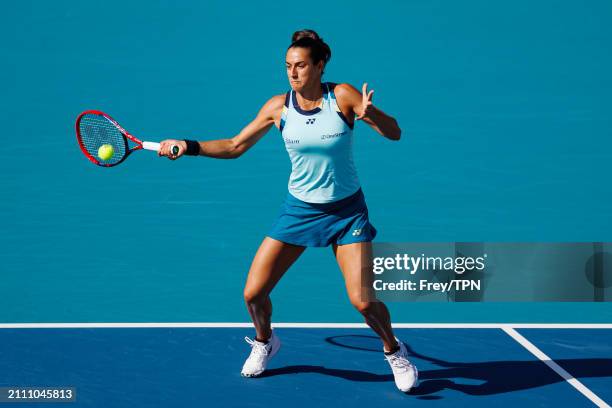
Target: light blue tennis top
column 320, row 146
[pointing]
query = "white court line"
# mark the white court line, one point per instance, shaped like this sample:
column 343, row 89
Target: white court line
column 309, row 325
column 556, row 367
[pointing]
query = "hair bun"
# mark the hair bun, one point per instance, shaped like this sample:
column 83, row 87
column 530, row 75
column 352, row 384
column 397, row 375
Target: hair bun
column 298, row 35
column 309, row 39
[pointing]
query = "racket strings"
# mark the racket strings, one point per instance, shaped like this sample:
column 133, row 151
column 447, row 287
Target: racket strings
column 95, row 131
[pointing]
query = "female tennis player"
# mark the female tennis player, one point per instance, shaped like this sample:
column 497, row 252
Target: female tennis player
column 325, row 205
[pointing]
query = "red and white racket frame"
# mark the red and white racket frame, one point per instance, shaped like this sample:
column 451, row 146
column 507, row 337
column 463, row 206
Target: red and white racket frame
column 154, row 146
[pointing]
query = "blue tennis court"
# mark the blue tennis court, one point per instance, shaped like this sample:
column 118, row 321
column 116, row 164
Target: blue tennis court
column 324, row 366
column 505, row 117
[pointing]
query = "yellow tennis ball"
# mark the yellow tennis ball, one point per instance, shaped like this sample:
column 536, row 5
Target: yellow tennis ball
column 106, row 151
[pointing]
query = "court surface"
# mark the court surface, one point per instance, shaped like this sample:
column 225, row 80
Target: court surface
column 321, row 365
column 505, row 112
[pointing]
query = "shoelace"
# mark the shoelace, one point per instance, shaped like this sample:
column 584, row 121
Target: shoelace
column 259, row 349
column 399, row 361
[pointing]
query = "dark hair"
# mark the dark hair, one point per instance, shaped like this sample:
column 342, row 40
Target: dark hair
column 319, row 50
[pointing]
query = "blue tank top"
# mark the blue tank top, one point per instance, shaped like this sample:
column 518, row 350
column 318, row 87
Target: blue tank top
column 320, row 146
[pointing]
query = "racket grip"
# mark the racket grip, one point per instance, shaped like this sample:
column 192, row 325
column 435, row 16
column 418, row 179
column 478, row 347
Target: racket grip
column 150, row 146
column 155, row 147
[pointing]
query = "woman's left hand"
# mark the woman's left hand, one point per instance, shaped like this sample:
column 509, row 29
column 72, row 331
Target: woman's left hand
column 367, row 107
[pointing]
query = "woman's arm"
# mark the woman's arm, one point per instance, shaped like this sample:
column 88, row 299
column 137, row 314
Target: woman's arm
column 360, row 104
column 233, row 148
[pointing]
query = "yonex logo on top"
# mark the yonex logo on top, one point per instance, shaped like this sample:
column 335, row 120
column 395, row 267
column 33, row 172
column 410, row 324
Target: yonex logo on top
column 357, row 232
column 310, row 121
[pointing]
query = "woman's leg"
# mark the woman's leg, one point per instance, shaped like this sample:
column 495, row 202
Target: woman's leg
column 354, row 260
column 271, row 261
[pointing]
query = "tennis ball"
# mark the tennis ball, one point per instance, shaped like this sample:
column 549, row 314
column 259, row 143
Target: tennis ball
column 106, row 151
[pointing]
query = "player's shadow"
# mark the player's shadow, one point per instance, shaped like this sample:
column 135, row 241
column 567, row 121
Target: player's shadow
column 353, row 375
column 495, row 377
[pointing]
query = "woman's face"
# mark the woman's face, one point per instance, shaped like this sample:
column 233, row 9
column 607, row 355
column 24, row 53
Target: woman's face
column 300, row 69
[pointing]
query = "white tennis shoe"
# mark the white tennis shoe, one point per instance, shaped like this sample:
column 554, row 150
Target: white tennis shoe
column 405, row 373
column 261, row 353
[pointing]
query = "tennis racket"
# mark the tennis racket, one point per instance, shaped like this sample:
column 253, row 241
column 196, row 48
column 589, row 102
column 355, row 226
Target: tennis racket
column 95, row 129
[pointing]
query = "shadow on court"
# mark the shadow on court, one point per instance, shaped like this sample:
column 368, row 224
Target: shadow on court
column 352, row 375
column 507, row 376
column 497, row 377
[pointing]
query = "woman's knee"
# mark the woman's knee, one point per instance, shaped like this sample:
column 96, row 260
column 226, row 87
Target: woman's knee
column 253, row 296
column 359, row 300
column 363, row 306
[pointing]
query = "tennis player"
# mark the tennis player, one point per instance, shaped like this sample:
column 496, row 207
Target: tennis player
column 325, row 205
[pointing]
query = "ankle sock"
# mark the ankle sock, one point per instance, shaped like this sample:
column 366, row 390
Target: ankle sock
column 395, row 350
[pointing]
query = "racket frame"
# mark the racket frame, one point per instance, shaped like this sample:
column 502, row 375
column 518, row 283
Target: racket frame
column 126, row 136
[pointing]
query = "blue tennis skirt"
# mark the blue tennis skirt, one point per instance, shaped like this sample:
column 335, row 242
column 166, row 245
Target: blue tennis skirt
column 318, row 225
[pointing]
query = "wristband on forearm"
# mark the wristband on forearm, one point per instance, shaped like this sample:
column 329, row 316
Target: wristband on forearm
column 193, row 148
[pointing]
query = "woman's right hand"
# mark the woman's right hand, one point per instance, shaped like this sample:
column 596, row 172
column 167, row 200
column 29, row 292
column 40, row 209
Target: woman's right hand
column 165, row 148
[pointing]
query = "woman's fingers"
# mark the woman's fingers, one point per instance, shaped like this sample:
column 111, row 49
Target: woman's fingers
column 367, row 96
column 366, row 101
column 165, row 148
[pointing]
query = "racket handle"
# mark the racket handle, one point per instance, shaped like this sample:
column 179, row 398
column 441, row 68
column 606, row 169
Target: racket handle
column 150, row 146
column 155, row 147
